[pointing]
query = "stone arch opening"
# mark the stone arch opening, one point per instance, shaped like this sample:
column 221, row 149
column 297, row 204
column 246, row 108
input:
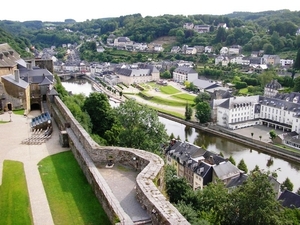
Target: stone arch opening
column 9, row 106
column 35, row 106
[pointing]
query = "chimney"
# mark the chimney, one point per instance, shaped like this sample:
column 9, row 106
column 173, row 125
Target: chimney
column 32, row 64
column 17, row 75
column 28, row 65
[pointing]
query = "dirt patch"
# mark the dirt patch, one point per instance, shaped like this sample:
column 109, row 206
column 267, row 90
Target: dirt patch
column 166, row 40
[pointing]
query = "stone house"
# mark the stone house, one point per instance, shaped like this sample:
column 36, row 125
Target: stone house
column 273, row 60
column 23, row 85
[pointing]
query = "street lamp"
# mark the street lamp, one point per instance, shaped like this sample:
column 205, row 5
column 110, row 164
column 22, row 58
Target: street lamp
column 10, row 112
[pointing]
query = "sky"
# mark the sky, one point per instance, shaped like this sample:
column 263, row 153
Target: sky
column 59, row 10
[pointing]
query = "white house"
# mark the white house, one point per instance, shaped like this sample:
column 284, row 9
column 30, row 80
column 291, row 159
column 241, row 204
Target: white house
column 183, row 73
column 234, row 50
column 158, row 48
column 224, row 51
column 190, row 51
column 201, row 28
column 122, row 42
column 208, row 49
column 188, row 26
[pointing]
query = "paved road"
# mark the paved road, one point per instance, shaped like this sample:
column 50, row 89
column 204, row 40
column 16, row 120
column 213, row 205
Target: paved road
column 12, row 134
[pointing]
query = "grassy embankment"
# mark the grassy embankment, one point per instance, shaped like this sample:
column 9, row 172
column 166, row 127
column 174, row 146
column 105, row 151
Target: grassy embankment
column 170, row 96
column 14, row 198
column 70, row 196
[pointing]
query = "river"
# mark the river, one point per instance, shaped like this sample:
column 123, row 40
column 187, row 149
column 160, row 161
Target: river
column 213, row 143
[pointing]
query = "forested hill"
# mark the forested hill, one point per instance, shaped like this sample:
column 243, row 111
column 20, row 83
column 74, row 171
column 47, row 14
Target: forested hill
column 272, row 31
column 17, row 43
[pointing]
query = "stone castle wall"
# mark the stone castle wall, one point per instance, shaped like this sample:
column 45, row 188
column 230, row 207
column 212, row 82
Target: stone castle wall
column 88, row 154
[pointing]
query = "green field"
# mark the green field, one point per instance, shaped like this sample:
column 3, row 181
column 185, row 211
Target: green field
column 71, row 198
column 185, row 97
column 14, row 198
column 169, row 90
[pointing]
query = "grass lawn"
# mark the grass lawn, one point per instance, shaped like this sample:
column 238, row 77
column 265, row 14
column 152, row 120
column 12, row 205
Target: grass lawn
column 19, row 112
column 169, row 90
column 167, row 102
column 185, row 97
column 71, row 198
column 14, row 199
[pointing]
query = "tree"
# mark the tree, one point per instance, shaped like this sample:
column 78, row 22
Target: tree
column 253, row 202
column 141, row 127
column 166, row 74
column 202, row 97
column 297, row 61
column 242, row 166
column 273, row 134
column 203, row 112
column 298, row 191
column 231, row 159
column 100, row 112
column 260, row 137
column 287, row 184
column 296, row 84
column 176, row 187
column 188, row 112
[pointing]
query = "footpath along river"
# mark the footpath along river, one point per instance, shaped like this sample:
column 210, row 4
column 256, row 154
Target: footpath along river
column 212, row 142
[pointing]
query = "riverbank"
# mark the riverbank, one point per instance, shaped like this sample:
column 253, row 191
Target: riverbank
column 236, row 136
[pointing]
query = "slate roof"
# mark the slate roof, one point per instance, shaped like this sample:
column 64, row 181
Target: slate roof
column 141, row 70
column 8, row 56
column 204, row 170
column 184, row 70
column 11, row 79
column 291, row 137
column 36, row 75
column 53, row 92
column 274, row 84
column 237, row 181
column 289, row 199
column 283, row 100
column 46, row 81
column 205, row 84
column 226, row 170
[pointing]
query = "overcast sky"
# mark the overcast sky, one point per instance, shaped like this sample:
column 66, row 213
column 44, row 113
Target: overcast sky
column 59, row 10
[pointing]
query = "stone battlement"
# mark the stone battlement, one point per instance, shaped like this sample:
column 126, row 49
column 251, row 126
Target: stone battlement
column 88, row 153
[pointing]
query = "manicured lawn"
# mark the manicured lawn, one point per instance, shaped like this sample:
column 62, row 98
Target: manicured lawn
column 167, row 102
column 71, row 198
column 169, row 90
column 14, row 199
column 186, row 97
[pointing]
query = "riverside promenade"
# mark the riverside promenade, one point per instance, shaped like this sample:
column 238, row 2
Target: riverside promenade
column 30, row 155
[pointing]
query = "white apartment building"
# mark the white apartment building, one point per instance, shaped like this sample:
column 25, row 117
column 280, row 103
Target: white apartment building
column 184, row 73
column 280, row 112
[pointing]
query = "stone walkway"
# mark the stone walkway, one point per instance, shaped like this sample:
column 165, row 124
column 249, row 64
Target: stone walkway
column 122, row 182
column 12, row 133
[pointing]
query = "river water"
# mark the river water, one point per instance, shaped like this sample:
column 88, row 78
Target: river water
column 212, row 142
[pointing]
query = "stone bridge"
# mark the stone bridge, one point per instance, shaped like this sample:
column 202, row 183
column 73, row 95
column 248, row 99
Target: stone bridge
column 67, row 76
column 149, row 182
